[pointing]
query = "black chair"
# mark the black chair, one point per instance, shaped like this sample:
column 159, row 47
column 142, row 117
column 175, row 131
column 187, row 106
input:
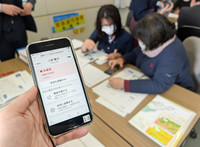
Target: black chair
column 187, row 31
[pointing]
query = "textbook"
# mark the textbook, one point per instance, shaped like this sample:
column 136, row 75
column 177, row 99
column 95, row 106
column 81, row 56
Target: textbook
column 22, row 54
column 163, row 121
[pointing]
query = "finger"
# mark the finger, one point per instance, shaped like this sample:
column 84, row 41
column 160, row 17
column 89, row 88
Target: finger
column 83, row 49
column 77, row 133
column 90, row 47
column 17, row 9
column 121, row 65
column 91, row 103
column 111, row 64
column 172, row 5
column 110, row 82
column 21, row 103
column 94, row 46
column 109, row 56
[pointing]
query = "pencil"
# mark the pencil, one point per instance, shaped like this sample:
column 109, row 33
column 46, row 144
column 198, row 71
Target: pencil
column 6, row 73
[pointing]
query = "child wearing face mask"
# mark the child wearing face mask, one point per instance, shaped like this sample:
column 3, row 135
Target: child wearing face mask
column 109, row 34
column 160, row 55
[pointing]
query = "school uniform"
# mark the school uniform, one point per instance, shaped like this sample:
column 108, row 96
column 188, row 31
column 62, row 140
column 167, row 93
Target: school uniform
column 122, row 42
column 13, row 30
column 142, row 7
column 171, row 66
column 138, row 9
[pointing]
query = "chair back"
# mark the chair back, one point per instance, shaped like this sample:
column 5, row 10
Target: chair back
column 192, row 46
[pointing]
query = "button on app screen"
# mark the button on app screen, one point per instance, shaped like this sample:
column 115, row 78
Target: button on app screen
column 60, row 86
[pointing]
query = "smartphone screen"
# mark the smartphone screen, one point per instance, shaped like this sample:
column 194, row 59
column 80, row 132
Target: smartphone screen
column 60, row 85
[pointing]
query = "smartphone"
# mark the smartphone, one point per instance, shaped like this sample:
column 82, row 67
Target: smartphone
column 167, row 2
column 111, row 71
column 62, row 95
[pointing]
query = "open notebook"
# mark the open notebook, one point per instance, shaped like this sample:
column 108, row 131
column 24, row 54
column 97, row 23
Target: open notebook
column 163, row 121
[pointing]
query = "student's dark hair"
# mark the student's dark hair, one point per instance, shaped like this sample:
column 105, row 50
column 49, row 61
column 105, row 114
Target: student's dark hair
column 154, row 30
column 108, row 11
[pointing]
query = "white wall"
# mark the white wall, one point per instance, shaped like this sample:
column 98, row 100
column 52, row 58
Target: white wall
column 46, row 9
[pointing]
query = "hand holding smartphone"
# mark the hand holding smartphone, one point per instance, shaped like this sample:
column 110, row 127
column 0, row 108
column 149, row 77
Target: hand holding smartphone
column 62, row 95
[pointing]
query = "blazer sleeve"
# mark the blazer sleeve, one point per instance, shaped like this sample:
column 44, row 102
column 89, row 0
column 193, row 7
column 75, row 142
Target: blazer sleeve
column 94, row 36
column 164, row 77
column 131, row 57
column 139, row 8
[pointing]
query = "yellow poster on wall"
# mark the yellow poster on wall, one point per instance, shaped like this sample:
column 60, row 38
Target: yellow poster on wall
column 78, row 31
column 67, row 21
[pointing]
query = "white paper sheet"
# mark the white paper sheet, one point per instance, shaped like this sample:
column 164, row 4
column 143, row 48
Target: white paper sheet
column 77, row 43
column 124, row 101
column 87, row 141
column 173, row 15
column 89, row 56
column 92, row 75
column 107, row 104
column 14, row 85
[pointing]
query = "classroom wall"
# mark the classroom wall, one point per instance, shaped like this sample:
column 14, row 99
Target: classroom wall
column 45, row 11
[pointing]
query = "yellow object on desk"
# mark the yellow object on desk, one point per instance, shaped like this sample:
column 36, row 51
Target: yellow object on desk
column 163, row 121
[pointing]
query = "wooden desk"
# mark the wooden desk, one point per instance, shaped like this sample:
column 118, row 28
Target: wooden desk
column 176, row 93
column 105, row 134
column 173, row 17
column 97, row 128
column 13, row 65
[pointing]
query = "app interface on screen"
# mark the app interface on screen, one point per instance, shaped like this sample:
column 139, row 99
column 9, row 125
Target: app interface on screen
column 60, row 85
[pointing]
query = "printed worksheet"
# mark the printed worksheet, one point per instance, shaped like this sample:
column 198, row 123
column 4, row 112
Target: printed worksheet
column 89, row 56
column 126, row 102
column 14, row 85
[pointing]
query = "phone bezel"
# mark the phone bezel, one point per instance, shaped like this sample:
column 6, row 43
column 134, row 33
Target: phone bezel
column 53, row 44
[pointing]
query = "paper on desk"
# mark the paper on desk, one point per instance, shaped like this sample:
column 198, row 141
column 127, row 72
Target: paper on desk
column 125, row 101
column 173, row 15
column 92, row 75
column 14, row 85
column 77, row 43
column 109, row 105
column 89, row 56
column 87, row 141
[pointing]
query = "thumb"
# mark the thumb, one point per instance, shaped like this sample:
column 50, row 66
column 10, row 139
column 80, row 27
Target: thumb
column 21, row 103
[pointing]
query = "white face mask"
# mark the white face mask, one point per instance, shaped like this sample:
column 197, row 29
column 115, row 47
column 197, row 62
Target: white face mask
column 109, row 30
column 142, row 45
